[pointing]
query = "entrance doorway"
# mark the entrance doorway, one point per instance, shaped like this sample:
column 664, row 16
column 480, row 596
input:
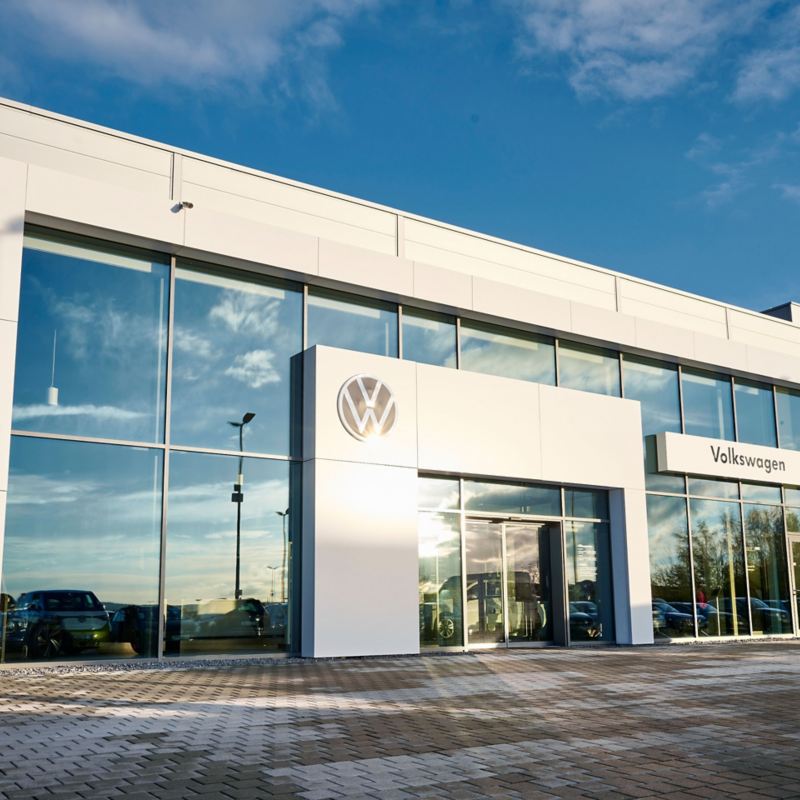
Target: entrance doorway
column 513, row 572
column 794, row 571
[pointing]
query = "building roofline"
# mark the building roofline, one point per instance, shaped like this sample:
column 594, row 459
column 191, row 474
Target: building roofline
column 167, row 148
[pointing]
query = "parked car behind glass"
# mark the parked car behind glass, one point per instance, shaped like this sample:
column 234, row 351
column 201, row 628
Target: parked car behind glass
column 53, row 622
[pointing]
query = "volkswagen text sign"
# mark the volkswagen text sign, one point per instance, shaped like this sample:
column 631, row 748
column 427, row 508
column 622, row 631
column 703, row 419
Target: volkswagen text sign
column 366, row 407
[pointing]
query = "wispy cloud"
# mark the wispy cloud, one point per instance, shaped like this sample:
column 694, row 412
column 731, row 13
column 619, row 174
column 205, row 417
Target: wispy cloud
column 204, row 42
column 789, row 191
column 773, row 72
column 632, row 49
column 38, row 411
column 734, row 169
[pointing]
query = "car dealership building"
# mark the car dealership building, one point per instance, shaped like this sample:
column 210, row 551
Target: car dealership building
column 239, row 414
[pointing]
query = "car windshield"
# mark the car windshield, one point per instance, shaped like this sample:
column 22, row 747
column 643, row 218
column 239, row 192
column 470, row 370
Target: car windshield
column 71, row 601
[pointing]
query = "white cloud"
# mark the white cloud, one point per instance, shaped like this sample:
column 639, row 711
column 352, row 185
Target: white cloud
column 203, row 42
column 113, row 413
column 737, row 171
column 243, row 312
column 633, row 49
column 773, row 72
column 789, row 191
column 254, row 368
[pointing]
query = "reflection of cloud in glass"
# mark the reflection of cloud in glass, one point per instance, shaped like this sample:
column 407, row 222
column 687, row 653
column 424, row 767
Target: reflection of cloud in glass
column 114, row 413
column 245, row 312
column 254, row 368
column 83, row 516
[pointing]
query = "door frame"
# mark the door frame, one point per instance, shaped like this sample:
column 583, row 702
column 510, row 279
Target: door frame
column 791, row 538
column 558, row 583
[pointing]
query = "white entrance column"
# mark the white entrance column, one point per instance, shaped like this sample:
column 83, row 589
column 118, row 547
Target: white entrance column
column 359, row 541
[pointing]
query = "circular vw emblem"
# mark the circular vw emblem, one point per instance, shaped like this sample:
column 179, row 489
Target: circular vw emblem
column 366, row 407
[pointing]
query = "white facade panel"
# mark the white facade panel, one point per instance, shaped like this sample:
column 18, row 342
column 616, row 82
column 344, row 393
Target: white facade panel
column 478, row 424
column 13, row 177
column 209, row 230
column 104, row 205
column 445, row 286
column 590, row 439
column 602, row 323
column 664, row 339
column 8, row 349
column 662, row 305
column 86, row 166
column 363, row 558
column 503, row 300
column 84, row 139
column 362, row 267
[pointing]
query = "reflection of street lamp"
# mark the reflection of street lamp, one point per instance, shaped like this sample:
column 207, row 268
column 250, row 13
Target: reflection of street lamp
column 272, row 589
column 238, row 498
column 283, row 515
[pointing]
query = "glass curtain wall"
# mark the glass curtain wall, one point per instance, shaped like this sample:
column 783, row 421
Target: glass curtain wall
column 429, row 338
column 440, row 589
column 655, row 385
column 87, row 519
column 503, row 592
column 508, row 353
column 707, row 404
column 589, row 369
column 726, row 571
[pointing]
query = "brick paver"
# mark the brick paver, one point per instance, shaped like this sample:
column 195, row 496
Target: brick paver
column 710, row 721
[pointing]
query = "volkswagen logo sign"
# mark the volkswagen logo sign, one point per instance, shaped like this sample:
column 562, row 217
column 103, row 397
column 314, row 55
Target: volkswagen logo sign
column 366, row 407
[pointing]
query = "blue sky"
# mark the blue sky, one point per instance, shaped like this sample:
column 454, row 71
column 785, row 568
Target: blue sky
column 657, row 137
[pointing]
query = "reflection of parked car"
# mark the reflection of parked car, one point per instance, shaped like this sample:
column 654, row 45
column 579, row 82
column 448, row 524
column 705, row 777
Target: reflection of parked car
column 138, row 625
column 277, row 614
column 50, row 623
column 584, row 621
column 244, row 618
column 765, row 618
column 671, row 621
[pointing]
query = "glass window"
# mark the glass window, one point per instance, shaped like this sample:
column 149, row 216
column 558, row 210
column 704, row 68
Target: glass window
column 590, row 369
column 528, row 582
column 755, row 413
column 512, row 498
column 791, row 496
column 655, row 385
column 670, row 567
column 788, row 417
column 440, row 591
column 91, row 349
column 83, row 533
column 483, row 542
column 707, row 405
column 589, row 586
column 589, row 503
column 352, row 323
column 217, row 602
column 758, row 493
column 724, row 490
column 770, row 607
column 439, row 493
column 511, row 354
column 721, row 595
column 429, row 338
column 233, row 341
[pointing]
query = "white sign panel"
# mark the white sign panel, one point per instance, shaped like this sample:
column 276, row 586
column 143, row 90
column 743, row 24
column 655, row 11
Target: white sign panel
column 717, row 458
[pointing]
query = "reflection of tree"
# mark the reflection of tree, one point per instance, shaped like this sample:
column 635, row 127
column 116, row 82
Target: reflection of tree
column 719, row 564
column 672, row 581
column 764, row 528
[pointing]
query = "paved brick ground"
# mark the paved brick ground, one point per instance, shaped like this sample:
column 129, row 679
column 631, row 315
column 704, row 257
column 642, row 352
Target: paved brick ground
column 681, row 722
